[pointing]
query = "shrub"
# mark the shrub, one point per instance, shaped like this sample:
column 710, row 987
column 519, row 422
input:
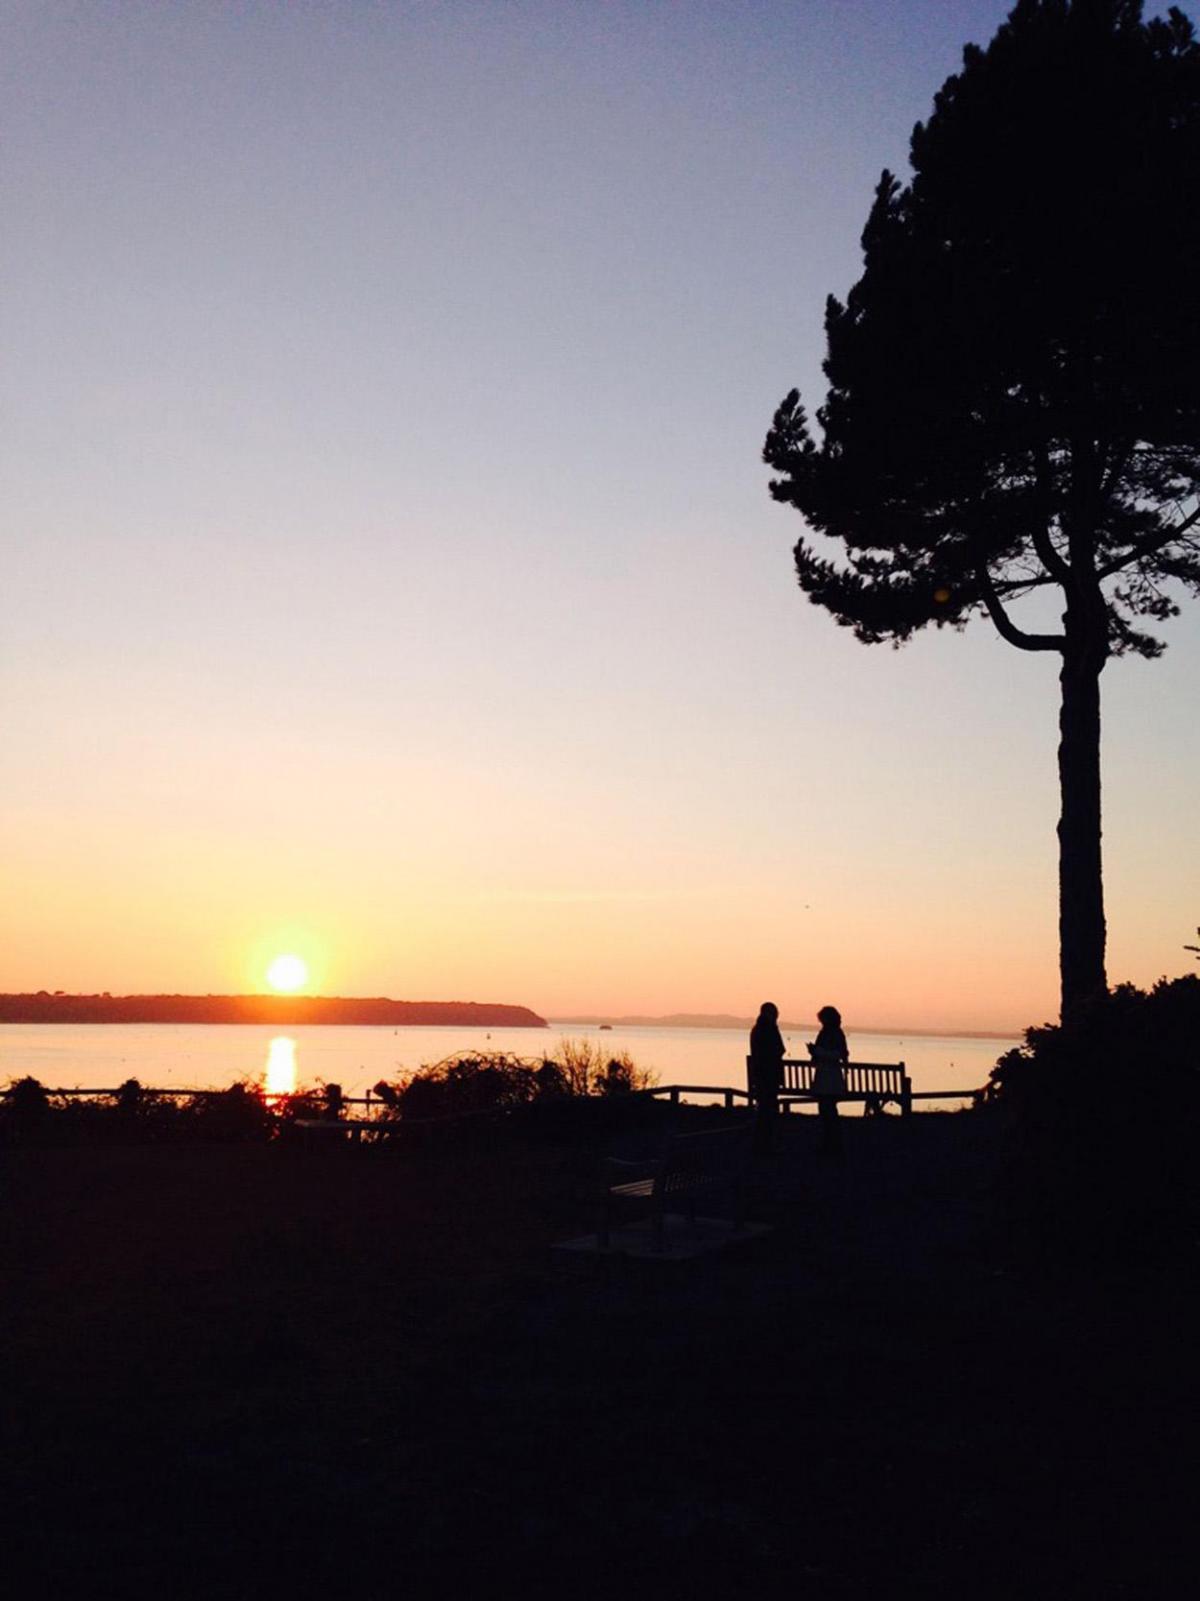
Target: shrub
column 238, row 1113
column 472, row 1082
column 314, row 1103
column 621, row 1076
column 1157, row 1033
column 128, row 1115
column 1105, row 1117
column 500, row 1081
column 26, row 1098
column 589, row 1071
column 24, row 1110
column 135, row 1114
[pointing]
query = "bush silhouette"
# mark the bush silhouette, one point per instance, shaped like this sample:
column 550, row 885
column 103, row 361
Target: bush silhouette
column 237, row 1113
column 1105, row 1117
column 499, row 1081
column 467, row 1083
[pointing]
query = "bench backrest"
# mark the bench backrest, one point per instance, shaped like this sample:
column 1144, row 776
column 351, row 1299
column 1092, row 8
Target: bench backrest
column 862, row 1078
column 694, row 1159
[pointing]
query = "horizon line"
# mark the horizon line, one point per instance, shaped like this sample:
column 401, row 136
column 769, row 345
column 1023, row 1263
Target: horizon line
column 729, row 1020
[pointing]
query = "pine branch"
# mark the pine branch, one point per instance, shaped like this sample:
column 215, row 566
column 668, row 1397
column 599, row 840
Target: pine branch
column 1005, row 626
column 1150, row 544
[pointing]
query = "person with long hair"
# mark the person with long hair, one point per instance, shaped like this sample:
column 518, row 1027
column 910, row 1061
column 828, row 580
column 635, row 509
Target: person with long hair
column 830, row 1053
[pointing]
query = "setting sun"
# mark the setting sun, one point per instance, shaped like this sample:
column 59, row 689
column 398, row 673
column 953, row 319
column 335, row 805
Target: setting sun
column 287, row 974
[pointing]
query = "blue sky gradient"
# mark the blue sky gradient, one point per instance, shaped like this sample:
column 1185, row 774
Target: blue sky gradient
column 389, row 562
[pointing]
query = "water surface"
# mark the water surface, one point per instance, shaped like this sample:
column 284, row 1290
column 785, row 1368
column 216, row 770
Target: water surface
column 214, row 1055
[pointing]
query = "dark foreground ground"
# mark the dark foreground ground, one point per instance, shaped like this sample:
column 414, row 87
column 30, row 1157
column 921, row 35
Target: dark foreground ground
column 247, row 1371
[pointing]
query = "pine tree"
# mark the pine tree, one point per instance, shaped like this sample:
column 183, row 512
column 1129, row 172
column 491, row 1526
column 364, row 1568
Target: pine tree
column 1014, row 381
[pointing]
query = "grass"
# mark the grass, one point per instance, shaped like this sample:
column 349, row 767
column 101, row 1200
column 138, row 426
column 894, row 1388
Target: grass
column 256, row 1370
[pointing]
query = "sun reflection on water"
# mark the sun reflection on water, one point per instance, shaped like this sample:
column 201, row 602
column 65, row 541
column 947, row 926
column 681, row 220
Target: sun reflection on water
column 280, row 1075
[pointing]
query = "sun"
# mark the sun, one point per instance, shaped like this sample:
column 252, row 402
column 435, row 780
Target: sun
column 287, row 974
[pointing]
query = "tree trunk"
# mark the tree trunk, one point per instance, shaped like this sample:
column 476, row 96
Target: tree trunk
column 1081, row 928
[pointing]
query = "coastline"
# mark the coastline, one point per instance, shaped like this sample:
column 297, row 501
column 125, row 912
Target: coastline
column 721, row 1020
column 282, row 1011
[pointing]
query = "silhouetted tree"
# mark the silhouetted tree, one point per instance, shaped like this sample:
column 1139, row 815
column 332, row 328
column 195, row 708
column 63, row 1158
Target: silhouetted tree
column 1014, row 398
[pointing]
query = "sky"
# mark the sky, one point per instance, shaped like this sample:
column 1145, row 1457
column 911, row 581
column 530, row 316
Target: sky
column 389, row 570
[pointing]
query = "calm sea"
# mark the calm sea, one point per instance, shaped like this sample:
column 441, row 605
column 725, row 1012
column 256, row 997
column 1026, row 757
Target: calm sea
column 211, row 1056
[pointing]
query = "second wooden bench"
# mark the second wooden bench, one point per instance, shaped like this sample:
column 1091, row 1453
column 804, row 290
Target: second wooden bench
column 691, row 1165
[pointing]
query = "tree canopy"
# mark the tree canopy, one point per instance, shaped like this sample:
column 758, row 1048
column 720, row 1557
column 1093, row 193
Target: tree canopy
column 1014, row 381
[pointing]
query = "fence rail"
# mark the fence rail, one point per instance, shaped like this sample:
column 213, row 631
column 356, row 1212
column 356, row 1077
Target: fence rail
column 731, row 1095
column 184, row 1094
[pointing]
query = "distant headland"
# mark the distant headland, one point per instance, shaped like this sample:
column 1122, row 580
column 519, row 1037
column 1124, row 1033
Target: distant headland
column 284, row 1011
column 728, row 1020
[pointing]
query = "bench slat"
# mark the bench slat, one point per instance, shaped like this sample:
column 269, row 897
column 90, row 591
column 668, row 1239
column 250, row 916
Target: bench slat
column 690, row 1165
column 884, row 1081
column 636, row 1188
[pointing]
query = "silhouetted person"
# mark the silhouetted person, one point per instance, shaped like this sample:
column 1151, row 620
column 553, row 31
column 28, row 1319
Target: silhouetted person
column 766, row 1074
column 831, row 1053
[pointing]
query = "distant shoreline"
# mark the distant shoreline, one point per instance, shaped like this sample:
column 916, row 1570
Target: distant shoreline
column 277, row 1010
column 380, row 1011
column 721, row 1020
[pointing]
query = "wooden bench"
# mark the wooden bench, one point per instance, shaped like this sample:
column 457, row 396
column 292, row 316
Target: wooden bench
column 874, row 1083
column 692, row 1165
